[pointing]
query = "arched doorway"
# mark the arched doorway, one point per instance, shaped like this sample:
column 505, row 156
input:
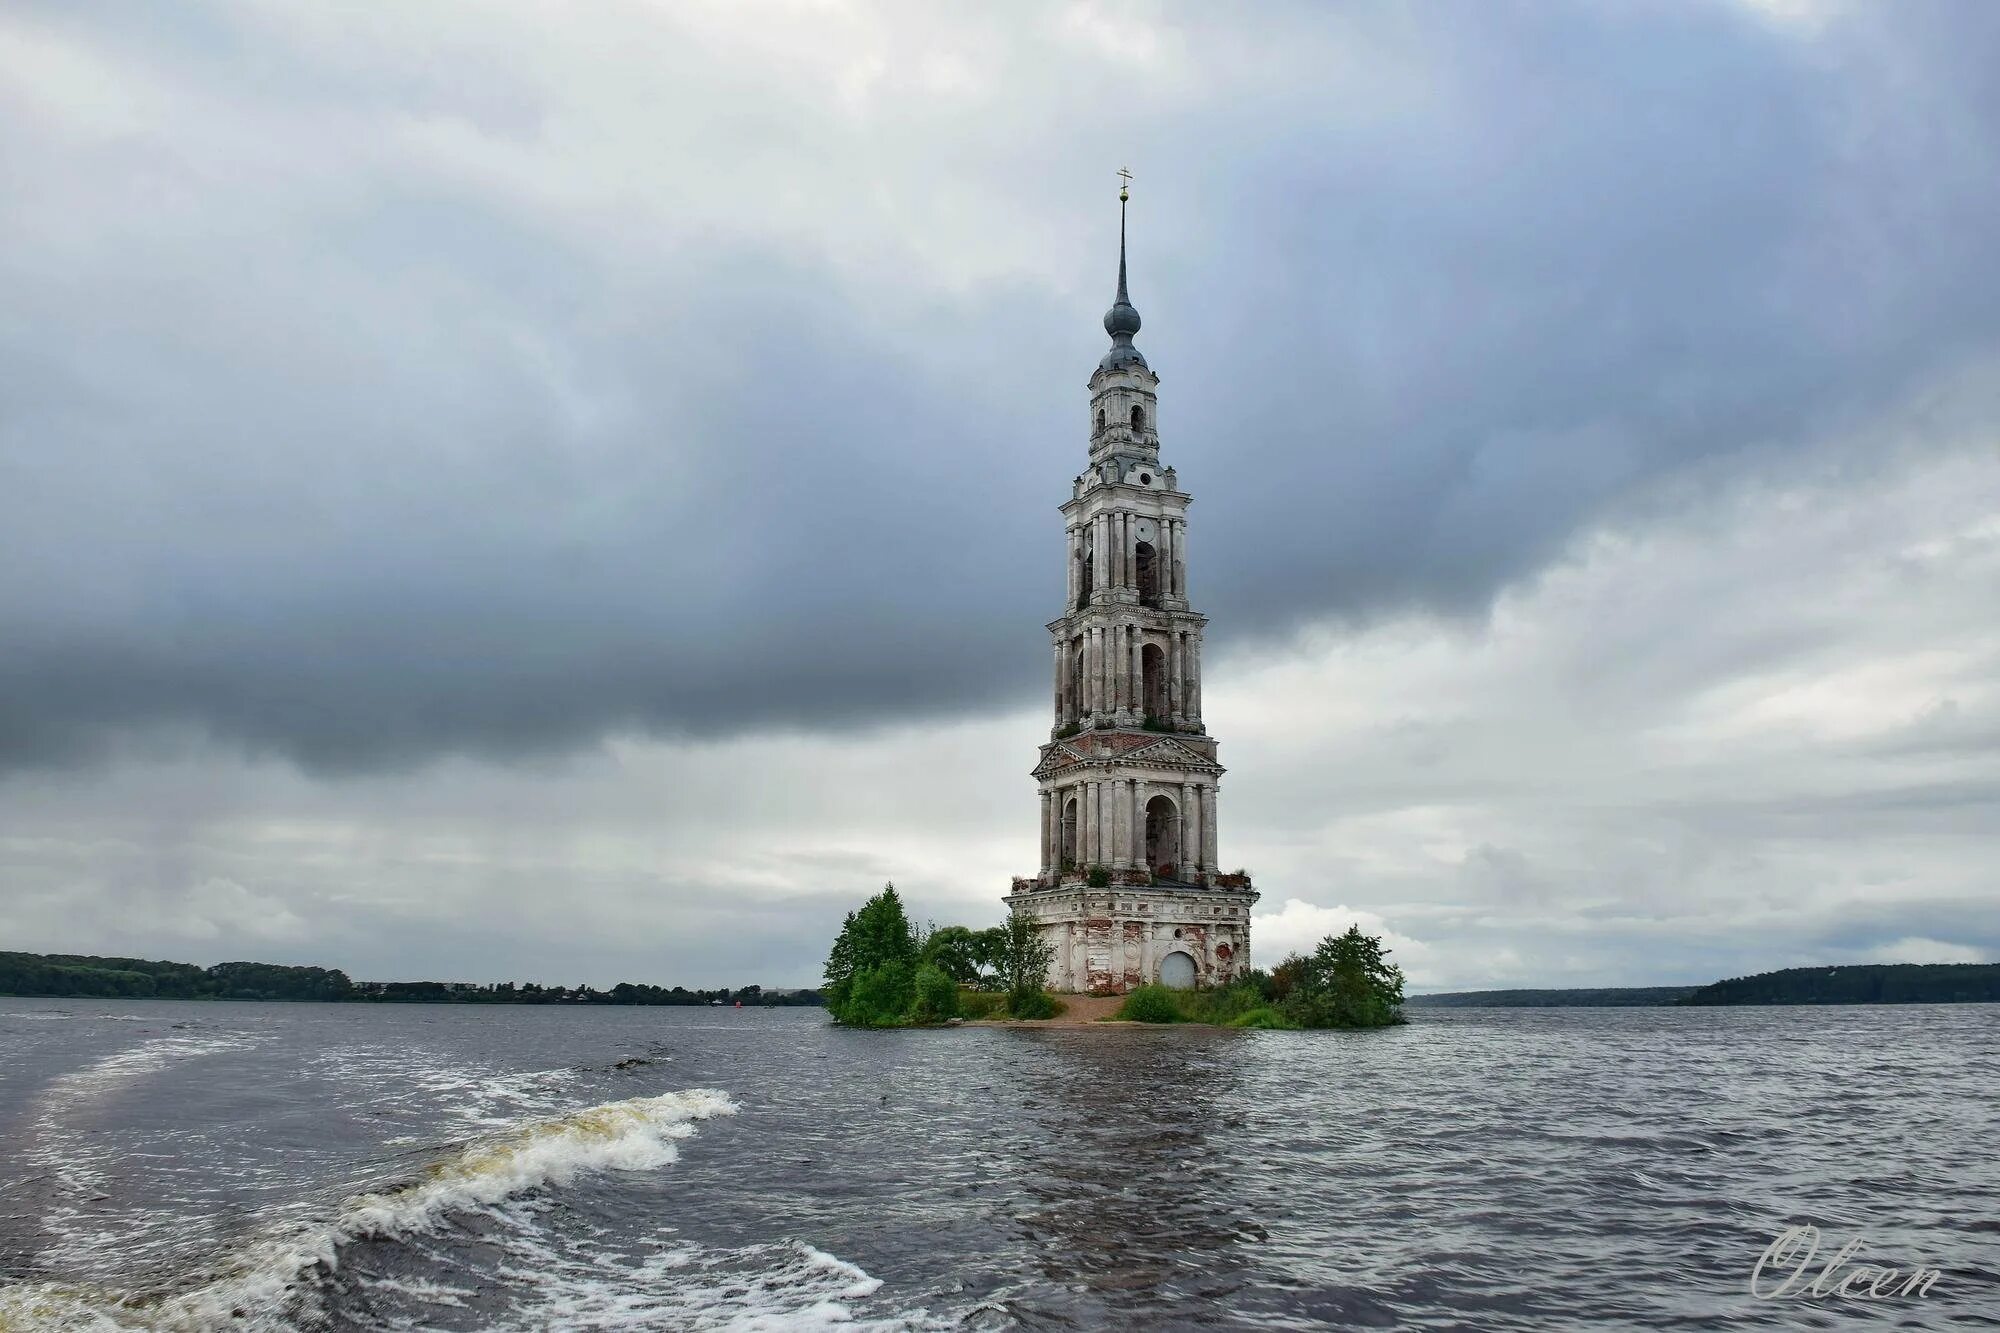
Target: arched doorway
column 1149, row 574
column 1153, row 680
column 1163, row 838
column 1067, row 836
column 1177, row 971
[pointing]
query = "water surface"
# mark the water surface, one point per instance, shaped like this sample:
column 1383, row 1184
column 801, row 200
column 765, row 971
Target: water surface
column 266, row 1166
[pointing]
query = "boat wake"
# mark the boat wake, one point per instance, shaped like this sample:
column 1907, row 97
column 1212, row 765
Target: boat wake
column 276, row 1281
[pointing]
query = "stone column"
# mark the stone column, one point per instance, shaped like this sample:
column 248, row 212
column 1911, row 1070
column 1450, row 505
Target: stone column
column 1048, row 843
column 1119, row 576
column 1060, row 710
column 1180, row 556
column 1117, row 667
column 1135, row 686
column 1194, row 675
column 1175, row 694
column 1100, row 536
column 1088, row 791
column 1087, row 687
column 1135, row 670
column 1074, row 539
column 1107, row 828
column 1121, row 828
column 1187, row 831
column 1170, row 539
column 1131, row 549
column 1208, row 860
column 1104, row 668
column 1138, row 826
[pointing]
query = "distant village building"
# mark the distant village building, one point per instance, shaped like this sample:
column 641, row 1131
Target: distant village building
column 1129, row 775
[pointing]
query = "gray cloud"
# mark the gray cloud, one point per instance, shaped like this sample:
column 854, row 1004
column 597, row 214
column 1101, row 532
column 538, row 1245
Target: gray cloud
column 350, row 419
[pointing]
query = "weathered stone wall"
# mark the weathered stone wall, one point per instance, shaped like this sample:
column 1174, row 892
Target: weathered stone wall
column 1112, row 939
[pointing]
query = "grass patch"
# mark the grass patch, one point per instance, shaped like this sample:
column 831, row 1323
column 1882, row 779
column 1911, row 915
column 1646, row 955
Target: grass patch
column 1263, row 1016
column 1150, row 1004
column 1035, row 1004
column 982, row 1003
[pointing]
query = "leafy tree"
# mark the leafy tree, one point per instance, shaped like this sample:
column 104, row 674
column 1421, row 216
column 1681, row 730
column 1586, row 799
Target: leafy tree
column 1286, row 975
column 936, row 994
column 955, row 951
column 879, row 997
column 1347, row 982
column 989, row 949
column 1024, row 963
column 874, row 937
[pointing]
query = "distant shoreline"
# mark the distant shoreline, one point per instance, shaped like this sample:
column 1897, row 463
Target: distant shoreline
column 1858, row 983
column 89, row 977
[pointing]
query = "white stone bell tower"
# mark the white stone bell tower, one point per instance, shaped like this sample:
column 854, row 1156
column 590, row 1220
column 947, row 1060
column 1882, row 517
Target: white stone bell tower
column 1129, row 776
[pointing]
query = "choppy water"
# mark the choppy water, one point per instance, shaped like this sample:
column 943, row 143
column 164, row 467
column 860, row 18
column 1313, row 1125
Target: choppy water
column 359, row 1167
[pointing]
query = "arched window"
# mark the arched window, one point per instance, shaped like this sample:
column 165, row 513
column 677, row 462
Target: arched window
column 1138, row 417
column 1153, row 681
column 1087, row 575
column 1100, row 421
column 1149, row 574
column 1163, row 838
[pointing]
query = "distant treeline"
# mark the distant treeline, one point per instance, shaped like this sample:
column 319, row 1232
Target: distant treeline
column 82, row 975
column 1865, row 983
column 1598, row 998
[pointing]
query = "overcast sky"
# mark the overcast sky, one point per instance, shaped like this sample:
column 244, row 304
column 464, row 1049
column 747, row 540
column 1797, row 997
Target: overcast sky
column 558, row 492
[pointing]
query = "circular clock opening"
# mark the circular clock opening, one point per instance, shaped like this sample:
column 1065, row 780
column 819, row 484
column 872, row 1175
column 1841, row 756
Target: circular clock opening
column 1145, row 479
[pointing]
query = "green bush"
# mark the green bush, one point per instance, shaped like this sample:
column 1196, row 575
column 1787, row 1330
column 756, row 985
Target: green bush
column 936, row 996
column 1098, row 877
column 879, row 997
column 1033, row 1004
column 1264, row 1016
column 1221, row 1006
column 1149, row 1004
column 1347, row 982
column 981, row 1003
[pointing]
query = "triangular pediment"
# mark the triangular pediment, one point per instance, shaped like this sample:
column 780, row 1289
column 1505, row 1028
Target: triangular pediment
column 1056, row 758
column 1168, row 752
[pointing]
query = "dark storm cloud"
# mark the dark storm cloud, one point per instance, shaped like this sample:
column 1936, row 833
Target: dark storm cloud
column 362, row 466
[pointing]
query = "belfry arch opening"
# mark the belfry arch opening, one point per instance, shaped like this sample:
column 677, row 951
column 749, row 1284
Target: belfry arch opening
column 1163, row 838
column 1148, row 573
column 1153, row 681
column 1067, row 835
column 1138, row 417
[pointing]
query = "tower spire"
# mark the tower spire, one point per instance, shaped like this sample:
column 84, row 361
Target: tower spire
column 1122, row 320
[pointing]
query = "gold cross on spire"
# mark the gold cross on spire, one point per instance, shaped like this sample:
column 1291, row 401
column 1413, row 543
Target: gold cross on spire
column 1125, row 179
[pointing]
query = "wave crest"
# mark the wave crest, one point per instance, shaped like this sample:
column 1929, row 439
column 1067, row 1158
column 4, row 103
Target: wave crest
column 258, row 1287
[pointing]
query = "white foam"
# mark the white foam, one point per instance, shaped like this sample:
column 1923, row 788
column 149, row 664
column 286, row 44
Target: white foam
column 565, row 1283
column 261, row 1288
column 77, row 1159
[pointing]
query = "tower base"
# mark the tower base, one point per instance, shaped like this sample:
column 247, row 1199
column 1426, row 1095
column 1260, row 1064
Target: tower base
column 1110, row 940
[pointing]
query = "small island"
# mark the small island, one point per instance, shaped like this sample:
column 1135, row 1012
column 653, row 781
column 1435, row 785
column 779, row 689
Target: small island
column 884, row 972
